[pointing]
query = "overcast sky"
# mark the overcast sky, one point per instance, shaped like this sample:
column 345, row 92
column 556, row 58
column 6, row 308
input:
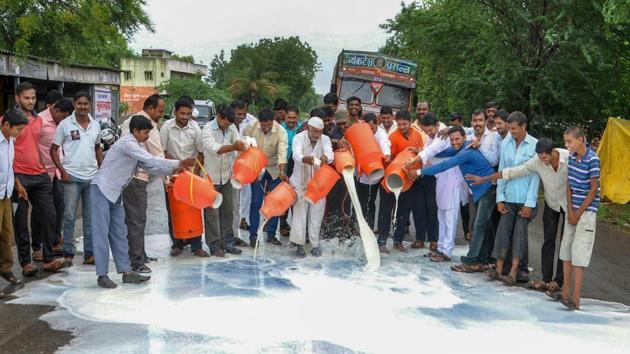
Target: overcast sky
column 203, row 28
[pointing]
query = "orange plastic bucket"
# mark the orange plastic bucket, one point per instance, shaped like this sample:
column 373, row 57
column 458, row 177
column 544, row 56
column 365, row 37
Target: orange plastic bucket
column 343, row 160
column 248, row 166
column 395, row 176
column 278, row 201
column 367, row 153
column 323, row 181
column 196, row 191
column 186, row 219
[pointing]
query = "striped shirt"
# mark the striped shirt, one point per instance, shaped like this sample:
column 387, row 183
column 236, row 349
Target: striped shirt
column 580, row 174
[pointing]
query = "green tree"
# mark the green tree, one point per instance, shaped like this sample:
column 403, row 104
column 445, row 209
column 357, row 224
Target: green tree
column 559, row 62
column 72, row 31
column 193, row 87
column 267, row 69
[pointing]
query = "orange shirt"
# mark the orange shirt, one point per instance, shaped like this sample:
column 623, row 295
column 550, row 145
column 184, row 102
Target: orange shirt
column 27, row 159
column 400, row 143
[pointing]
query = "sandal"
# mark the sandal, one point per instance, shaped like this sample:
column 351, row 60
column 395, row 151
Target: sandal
column 38, row 256
column 554, row 295
column 29, row 270
column 52, row 266
column 433, row 246
column 508, row 280
column 492, row 274
column 538, row 285
column 553, row 286
column 10, row 277
column 441, row 257
column 569, row 304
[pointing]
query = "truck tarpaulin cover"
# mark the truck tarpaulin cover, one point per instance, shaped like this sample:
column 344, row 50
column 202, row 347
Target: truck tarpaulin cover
column 615, row 159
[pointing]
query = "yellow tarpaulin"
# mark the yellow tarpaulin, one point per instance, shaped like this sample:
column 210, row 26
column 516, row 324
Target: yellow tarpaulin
column 614, row 155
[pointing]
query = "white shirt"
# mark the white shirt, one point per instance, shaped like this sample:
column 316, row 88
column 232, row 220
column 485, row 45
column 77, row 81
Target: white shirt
column 218, row 166
column 247, row 121
column 391, row 129
column 382, row 138
column 490, row 146
column 78, row 144
column 7, row 177
column 181, row 143
column 555, row 182
column 302, row 147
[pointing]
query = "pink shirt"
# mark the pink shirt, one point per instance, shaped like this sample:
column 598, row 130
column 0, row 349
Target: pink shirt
column 27, row 158
column 45, row 141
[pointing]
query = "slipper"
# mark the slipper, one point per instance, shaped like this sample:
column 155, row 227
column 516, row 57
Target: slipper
column 493, row 274
column 508, row 280
column 52, row 266
column 29, row 270
column 553, row 286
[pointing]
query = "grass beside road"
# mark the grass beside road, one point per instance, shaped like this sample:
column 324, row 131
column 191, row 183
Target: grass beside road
column 616, row 214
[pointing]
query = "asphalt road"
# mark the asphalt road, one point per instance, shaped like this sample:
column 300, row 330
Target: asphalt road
column 21, row 331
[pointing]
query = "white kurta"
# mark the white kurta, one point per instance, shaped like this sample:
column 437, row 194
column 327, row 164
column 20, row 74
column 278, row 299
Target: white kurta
column 307, row 216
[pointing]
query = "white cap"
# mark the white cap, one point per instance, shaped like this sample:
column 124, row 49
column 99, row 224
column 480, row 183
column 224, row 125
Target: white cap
column 316, row 122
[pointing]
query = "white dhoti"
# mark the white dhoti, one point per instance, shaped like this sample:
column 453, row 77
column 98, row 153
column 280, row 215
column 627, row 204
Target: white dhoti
column 244, row 201
column 306, row 215
column 448, row 227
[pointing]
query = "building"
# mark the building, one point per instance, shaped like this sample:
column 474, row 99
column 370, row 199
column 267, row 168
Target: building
column 142, row 76
column 102, row 83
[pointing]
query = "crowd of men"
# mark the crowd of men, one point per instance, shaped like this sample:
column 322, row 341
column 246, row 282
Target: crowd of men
column 488, row 173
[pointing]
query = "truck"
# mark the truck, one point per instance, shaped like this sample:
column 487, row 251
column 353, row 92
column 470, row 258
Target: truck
column 377, row 79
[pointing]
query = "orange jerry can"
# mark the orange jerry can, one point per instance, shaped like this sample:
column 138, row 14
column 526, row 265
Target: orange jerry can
column 319, row 186
column 186, row 219
column 278, row 201
column 248, row 166
column 344, row 160
column 395, row 176
column 367, row 153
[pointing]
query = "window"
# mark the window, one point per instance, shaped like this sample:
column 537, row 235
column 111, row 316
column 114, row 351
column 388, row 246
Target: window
column 127, row 75
column 357, row 88
column 148, row 75
column 393, row 96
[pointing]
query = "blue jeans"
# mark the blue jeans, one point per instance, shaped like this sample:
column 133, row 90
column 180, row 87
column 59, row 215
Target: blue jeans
column 478, row 251
column 109, row 230
column 72, row 191
column 259, row 190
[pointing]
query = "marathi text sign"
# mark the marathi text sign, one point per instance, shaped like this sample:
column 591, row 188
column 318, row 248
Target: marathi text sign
column 102, row 105
column 381, row 62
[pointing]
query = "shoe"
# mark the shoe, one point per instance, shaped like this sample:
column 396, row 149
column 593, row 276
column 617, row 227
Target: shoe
column 274, row 241
column 399, row 247
column 522, row 277
column 135, row 278
column 29, row 270
column 233, row 250
column 89, row 260
column 150, row 259
column 316, row 252
column 240, row 243
column 383, row 249
column 105, row 282
column 10, row 277
column 203, row 254
column 243, row 225
column 217, row 253
column 417, row 245
column 468, row 236
column 176, row 251
column 252, row 241
column 300, row 252
column 67, row 261
column 38, row 256
column 142, row 269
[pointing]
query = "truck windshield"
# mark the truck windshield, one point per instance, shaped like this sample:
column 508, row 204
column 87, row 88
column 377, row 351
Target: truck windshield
column 395, row 97
column 357, row 88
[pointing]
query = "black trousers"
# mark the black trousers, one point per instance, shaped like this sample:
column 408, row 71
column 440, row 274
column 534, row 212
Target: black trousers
column 36, row 233
column 40, row 195
column 283, row 217
column 135, row 202
column 367, row 198
column 426, row 222
column 551, row 219
column 385, row 214
column 464, row 210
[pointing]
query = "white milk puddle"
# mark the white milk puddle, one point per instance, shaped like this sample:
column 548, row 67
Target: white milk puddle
column 280, row 304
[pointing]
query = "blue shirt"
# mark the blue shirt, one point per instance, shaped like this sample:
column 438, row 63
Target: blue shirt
column 522, row 190
column 580, row 174
column 470, row 162
column 290, row 135
column 121, row 162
